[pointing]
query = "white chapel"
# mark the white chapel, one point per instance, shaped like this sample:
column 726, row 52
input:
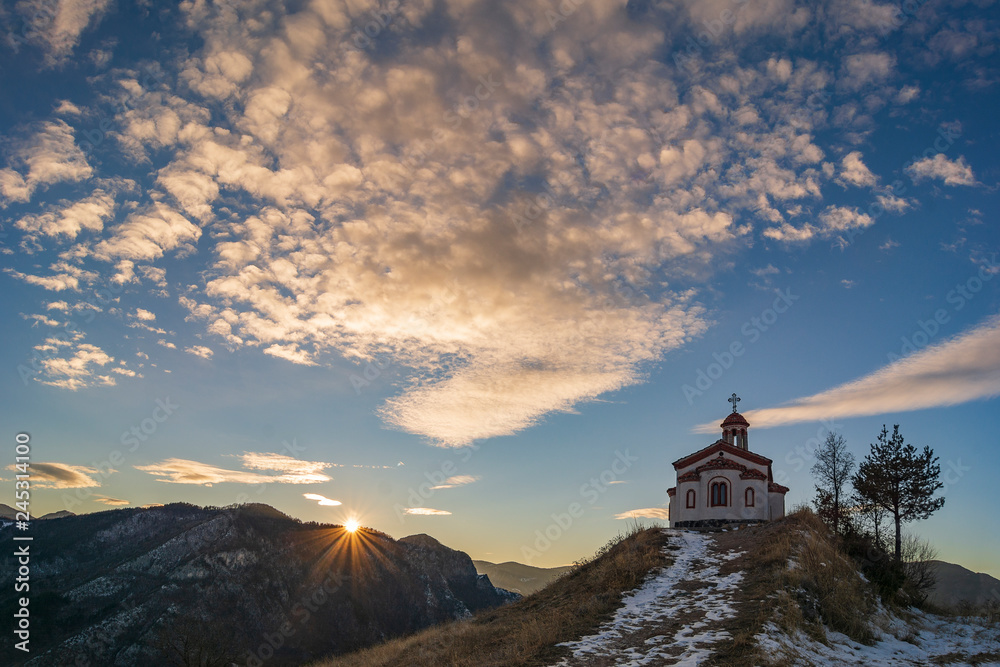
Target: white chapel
column 725, row 483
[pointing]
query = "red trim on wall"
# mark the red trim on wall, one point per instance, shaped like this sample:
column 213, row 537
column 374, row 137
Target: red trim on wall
column 721, row 446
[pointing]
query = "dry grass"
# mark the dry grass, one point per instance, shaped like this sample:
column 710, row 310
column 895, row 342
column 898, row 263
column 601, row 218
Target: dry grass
column 823, row 587
column 526, row 632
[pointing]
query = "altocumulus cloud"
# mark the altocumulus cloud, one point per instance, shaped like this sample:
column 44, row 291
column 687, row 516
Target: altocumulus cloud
column 514, row 213
column 963, row 368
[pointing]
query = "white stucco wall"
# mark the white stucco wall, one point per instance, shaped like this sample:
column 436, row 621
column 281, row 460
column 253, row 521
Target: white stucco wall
column 776, row 502
column 735, row 510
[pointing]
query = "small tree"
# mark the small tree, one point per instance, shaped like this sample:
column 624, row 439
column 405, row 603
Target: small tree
column 832, row 470
column 900, row 480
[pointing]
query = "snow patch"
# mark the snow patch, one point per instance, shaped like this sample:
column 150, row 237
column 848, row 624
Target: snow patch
column 657, row 600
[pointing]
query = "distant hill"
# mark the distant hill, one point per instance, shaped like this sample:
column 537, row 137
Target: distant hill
column 7, row 513
column 519, row 578
column 956, row 584
column 180, row 584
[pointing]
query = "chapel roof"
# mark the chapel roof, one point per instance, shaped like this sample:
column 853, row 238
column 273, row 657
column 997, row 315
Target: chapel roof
column 725, row 447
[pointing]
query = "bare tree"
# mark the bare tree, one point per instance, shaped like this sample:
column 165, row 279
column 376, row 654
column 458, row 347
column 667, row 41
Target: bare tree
column 918, row 557
column 832, row 470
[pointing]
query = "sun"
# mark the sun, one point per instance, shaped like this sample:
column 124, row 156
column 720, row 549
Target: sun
column 351, row 525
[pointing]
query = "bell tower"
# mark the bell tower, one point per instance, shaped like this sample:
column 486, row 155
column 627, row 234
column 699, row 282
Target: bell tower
column 734, row 428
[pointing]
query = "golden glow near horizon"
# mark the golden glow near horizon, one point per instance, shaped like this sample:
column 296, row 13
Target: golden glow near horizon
column 351, row 525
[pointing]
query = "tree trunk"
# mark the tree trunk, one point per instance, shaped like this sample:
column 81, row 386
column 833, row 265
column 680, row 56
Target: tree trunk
column 836, row 511
column 899, row 541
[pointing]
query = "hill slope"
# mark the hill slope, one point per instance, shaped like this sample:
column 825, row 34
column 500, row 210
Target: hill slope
column 519, row 578
column 956, row 584
column 779, row 594
column 172, row 584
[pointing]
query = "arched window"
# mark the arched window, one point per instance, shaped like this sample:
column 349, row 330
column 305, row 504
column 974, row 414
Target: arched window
column 749, row 498
column 719, row 494
column 690, row 499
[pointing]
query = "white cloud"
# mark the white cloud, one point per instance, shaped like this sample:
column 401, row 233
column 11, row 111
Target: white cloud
column 49, row 156
column 62, row 476
column 646, row 513
column 961, row 369
column 836, row 219
column 457, row 480
column 148, row 234
column 113, row 502
column 145, row 315
column 426, row 511
column 854, row 171
column 199, row 351
column 376, row 207
column 863, row 69
column 907, row 94
column 952, row 172
column 292, row 471
column 893, row 203
column 69, row 219
column 83, row 367
column 322, row 500
column 58, row 24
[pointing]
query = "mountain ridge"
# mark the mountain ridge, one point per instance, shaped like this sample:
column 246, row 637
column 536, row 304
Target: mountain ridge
column 244, row 584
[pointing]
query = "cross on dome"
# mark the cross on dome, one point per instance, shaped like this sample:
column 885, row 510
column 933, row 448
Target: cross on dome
column 734, row 399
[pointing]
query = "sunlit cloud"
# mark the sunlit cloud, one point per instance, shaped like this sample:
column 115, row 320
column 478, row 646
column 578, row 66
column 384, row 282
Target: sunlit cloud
column 322, row 500
column 114, row 502
column 49, row 156
column 79, row 365
column 456, row 480
column 199, row 351
column 646, row 513
column 346, row 205
column 961, row 369
column 952, row 172
column 62, row 476
column 293, row 471
column 426, row 511
column 58, row 24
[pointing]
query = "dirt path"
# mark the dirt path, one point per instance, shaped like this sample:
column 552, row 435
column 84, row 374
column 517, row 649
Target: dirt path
column 674, row 618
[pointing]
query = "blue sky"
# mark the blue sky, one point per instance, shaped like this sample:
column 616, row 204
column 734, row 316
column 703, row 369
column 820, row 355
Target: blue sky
column 254, row 251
